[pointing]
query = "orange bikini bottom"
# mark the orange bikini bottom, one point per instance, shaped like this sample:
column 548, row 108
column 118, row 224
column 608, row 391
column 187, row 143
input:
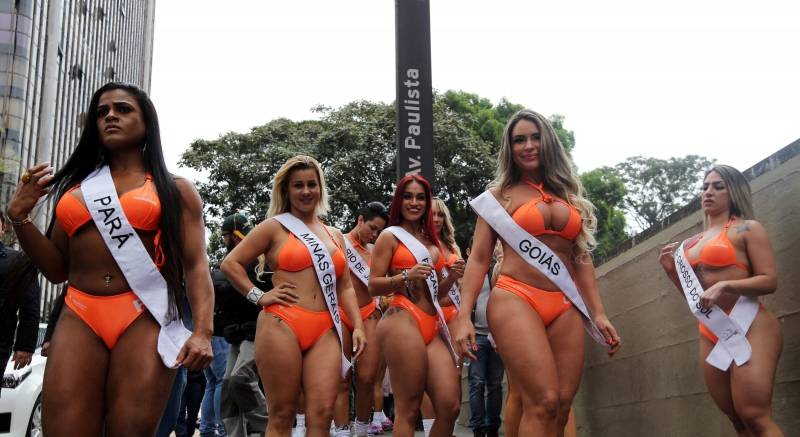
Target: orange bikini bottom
column 449, row 311
column 548, row 304
column 366, row 311
column 107, row 316
column 426, row 323
column 308, row 326
column 707, row 333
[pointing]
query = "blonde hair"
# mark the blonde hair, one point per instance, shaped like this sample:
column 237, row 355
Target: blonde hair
column 448, row 234
column 558, row 174
column 738, row 191
column 279, row 199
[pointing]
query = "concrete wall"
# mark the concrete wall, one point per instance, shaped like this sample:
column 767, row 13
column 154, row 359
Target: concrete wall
column 654, row 386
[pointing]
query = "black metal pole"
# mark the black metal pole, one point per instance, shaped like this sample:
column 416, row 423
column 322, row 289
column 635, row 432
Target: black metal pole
column 414, row 89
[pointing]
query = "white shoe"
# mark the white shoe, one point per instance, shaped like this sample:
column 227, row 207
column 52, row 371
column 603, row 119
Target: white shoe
column 299, row 432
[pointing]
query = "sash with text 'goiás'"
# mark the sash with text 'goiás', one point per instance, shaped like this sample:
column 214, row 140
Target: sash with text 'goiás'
column 324, row 268
column 133, row 260
column 422, row 255
column 731, row 330
column 535, row 253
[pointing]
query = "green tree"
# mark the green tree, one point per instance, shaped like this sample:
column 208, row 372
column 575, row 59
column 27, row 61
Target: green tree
column 659, row 187
column 356, row 145
column 607, row 192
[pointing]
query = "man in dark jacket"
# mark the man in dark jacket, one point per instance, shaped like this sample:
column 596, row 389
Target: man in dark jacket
column 244, row 407
column 19, row 305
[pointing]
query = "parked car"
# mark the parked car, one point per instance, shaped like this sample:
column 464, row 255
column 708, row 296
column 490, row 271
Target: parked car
column 21, row 396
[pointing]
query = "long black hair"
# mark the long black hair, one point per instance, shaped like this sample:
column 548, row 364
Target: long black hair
column 90, row 154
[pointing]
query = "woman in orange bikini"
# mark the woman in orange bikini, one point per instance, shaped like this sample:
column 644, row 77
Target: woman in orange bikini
column 536, row 328
column 297, row 347
column 371, row 220
column 104, row 374
column 454, row 264
column 733, row 257
column 417, row 358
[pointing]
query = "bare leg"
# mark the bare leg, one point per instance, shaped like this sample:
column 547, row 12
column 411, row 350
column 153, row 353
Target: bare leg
column 406, row 358
column 367, row 369
column 566, row 341
column 74, row 388
column 139, row 383
column 444, row 388
column 279, row 363
column 322, row 380
column 525, row 349
column 341, row 410
column 752, row 383
column 513, row 407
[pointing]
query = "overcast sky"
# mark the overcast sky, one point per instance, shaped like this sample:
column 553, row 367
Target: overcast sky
column 717, row 78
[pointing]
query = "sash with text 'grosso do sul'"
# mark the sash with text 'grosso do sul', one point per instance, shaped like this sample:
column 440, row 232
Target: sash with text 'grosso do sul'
column 730, row 330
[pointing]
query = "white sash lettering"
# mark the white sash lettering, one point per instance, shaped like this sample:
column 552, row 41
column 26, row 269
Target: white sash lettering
column 535, row 253
column 133, row 260
column 324, row 268
column 422, row 255
column 358, row 266
column 731, row 330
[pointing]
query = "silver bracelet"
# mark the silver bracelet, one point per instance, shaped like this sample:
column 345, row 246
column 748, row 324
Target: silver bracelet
column 15, row 223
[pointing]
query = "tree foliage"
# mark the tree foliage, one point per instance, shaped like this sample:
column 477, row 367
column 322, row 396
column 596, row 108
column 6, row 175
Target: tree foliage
column 355, row 144
column 607, row 192
column 659, row 187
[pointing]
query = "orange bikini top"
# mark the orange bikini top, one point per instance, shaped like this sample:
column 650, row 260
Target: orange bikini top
column 718, row 252
column 451, row 260
column 404, row 259
column 141, row 206
column 530, row 218
column 293, row 256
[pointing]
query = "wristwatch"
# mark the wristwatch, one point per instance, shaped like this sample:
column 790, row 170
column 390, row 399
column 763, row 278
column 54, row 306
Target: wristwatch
column 254, row 295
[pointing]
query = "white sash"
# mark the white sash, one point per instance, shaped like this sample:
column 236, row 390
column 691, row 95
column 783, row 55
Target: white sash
column 422, row 255
column 535, row 253
column 454, row 292
column 323, row 266
column 358, row 266
column 133, row 260
column 731, row 330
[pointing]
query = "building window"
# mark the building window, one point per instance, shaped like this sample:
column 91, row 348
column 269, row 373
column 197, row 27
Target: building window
column 100, row 13
column 110, row 73
column 112, row 46
column 76, row 72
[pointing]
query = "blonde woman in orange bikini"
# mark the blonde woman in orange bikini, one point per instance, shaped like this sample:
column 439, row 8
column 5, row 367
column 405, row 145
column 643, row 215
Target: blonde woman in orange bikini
column 296, row 345
column 536, row 328
column 454, row 266
column 733, row 258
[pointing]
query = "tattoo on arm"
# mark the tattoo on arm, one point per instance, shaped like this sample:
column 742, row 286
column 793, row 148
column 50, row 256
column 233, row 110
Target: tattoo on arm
column 744, row 227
